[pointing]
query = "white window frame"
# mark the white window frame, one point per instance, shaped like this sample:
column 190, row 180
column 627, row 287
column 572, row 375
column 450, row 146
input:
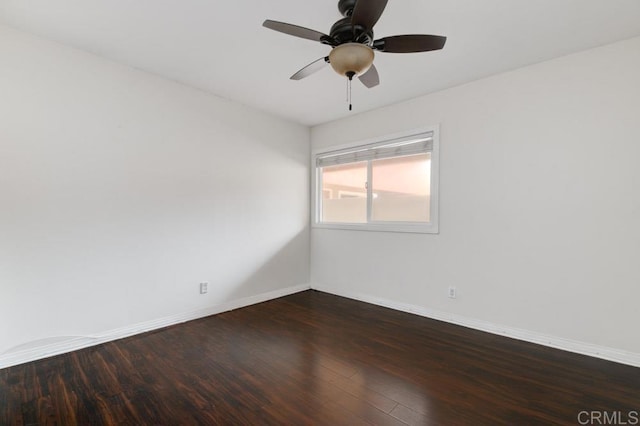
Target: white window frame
column 431, row 227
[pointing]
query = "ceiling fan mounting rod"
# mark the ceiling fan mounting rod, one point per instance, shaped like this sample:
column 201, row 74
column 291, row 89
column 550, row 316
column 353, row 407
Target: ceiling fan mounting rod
column 346, row 7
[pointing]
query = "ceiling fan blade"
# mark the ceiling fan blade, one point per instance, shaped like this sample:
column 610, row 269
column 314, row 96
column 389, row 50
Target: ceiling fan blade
column 313, row 67
column 367, row 12
column 410, row 43
column 370, row 78
column 294, row 30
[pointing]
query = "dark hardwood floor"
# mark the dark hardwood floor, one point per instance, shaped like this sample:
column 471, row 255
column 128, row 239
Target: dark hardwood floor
column 313, row 358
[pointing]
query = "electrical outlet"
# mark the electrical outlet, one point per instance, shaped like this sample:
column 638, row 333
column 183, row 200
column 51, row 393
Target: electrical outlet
column 452, row 293
column 204, row 287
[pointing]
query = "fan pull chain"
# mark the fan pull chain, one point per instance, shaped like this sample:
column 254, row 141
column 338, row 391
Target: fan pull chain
column 350, row 74
column 347, row 98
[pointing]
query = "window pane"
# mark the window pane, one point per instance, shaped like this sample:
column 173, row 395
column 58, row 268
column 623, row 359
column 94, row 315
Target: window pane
column 401, row 189
column 344, row 193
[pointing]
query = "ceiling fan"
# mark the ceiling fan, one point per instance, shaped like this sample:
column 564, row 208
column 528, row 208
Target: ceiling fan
column 353, row 44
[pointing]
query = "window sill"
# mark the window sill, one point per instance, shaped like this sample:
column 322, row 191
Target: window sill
column 413, row 228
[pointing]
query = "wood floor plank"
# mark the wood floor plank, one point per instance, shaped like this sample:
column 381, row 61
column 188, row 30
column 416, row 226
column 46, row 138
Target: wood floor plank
column 410, row 417
column 315, row 359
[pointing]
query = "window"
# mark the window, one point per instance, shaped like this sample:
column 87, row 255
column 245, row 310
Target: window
column 384, row 185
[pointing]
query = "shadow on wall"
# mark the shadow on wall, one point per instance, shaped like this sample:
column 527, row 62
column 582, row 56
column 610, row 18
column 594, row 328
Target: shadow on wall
column 280, row 271
column 277, row 271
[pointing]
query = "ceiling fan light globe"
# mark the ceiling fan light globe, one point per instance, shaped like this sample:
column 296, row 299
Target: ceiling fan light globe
column 351, row 58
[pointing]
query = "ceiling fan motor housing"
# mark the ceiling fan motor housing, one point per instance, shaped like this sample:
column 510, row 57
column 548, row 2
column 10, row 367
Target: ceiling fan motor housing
column 343, row 31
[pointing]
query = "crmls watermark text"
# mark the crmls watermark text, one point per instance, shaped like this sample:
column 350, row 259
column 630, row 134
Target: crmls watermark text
column 609, row 418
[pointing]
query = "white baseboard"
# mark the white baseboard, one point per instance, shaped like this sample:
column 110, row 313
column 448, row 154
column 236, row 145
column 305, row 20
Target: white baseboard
column 609, row 354
column 60, row 345
column 63, row 345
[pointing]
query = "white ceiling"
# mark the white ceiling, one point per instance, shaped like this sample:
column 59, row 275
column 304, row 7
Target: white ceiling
column 220, row 46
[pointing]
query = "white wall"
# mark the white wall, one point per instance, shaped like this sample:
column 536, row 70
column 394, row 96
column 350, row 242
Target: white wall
column 120, row 191
column 539, row 204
